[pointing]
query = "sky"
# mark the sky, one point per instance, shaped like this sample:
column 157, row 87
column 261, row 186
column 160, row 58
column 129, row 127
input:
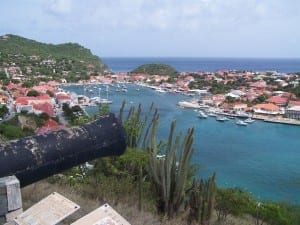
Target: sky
column 161, row 28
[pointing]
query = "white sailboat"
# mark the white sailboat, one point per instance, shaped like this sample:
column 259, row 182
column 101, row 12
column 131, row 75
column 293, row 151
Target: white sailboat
column 104, row 100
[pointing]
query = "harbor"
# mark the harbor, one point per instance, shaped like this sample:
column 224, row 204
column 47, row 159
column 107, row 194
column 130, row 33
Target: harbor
column 266, row 154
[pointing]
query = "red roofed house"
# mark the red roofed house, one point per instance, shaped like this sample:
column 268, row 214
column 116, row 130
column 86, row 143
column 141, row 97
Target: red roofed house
column 62, row 98
column 29, row 104
column 294, row 103
column 258, row 84
column 238, row 106
column 268, row 108
column 44, row 108
column 50, row 126
column 44, row 88
column 278, row 100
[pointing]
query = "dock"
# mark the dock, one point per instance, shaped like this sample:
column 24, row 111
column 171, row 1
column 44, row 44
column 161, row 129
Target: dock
column 267, row 119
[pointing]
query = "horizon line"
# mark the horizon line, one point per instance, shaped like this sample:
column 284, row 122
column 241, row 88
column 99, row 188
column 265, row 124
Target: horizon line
column 205, row 57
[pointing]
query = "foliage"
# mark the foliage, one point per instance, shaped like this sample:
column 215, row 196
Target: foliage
column 11, row 132
column 2, row 75
column 136, row 126
column 260, row 99
column 169, row 174
column 3, row 110
column 156, row 69
column 17, row 45
column 33, row 93
column 202, row 200
column 50, row 93
column 268, row 213
column 232, row 201
column 30, row 83
column 47, row 61
column 75, row 115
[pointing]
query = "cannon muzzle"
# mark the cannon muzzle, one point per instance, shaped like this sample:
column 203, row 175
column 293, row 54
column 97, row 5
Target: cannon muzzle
column 36, row 157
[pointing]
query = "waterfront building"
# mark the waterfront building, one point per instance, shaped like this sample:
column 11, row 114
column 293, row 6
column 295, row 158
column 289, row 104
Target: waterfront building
column 267, row 108
column 293, row 112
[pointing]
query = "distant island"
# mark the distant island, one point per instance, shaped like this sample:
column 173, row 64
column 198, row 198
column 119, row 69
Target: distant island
column 156, row 69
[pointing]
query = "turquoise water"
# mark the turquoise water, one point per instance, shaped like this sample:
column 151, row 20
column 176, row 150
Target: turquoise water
column 263, row 158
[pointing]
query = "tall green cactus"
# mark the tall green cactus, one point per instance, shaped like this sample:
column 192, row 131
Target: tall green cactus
column 202, row 200
column 135, row 125
column 169, row 174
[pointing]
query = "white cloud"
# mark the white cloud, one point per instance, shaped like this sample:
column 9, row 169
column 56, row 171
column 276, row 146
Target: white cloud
column 169, row 24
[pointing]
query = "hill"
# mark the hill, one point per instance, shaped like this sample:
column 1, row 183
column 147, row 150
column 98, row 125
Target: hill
column 45, row 58
column 156, row 69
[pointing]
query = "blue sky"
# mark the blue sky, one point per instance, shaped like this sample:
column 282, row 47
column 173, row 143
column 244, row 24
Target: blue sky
column 195, row 28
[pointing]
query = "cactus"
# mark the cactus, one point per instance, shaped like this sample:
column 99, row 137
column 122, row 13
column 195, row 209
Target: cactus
column 135, row 125
column 202, row 200
column 169, row 174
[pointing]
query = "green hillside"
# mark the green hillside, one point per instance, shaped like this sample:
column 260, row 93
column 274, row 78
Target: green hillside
column 156, row 69
column 65, row 57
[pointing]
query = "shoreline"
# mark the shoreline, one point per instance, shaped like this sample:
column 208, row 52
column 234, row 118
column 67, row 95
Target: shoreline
column 284, row 121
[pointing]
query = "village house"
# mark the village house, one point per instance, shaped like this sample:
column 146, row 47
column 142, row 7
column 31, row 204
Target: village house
column 39, row 104
column 218, row 99
column 42, row 89
column 261, row 84
column 266, row 109
column 238, row 106
column 62, row 97
column 278, row 100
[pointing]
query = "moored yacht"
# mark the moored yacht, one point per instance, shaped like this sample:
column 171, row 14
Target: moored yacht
column 241, row 123
column 249, row 120
column 222, row 118
column 187, row 104
column 202, row 115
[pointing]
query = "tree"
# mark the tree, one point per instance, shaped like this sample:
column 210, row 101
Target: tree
column 260, row 99
column 231, row 201
column 268, row 213
column 3, row 110
column 33, row 93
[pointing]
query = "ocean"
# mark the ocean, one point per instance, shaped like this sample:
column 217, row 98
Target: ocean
column 207, row 64
column 262, row 158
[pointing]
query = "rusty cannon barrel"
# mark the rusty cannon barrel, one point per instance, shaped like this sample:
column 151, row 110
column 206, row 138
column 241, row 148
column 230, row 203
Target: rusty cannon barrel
column 36, row 157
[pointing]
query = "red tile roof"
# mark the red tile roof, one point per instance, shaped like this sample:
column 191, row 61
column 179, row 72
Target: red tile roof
column 45, row 107
column 267, row 107
column 278, row 100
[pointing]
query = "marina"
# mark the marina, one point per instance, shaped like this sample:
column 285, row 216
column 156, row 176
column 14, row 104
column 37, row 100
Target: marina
column 266, row 154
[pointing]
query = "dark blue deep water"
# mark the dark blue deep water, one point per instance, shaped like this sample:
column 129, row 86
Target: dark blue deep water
column 207, row 64
column 263, row 158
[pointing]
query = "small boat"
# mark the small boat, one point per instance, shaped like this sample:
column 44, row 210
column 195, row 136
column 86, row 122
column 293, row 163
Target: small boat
column 222, row 118
column 160, row 90
column 202, row 115
column 104, row 101
column 249, row 120
column 211, row 114
column 241, row 123
column 187, row 104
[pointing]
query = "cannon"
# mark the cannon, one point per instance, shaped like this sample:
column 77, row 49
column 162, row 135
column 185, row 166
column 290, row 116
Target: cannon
column 39, row 156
